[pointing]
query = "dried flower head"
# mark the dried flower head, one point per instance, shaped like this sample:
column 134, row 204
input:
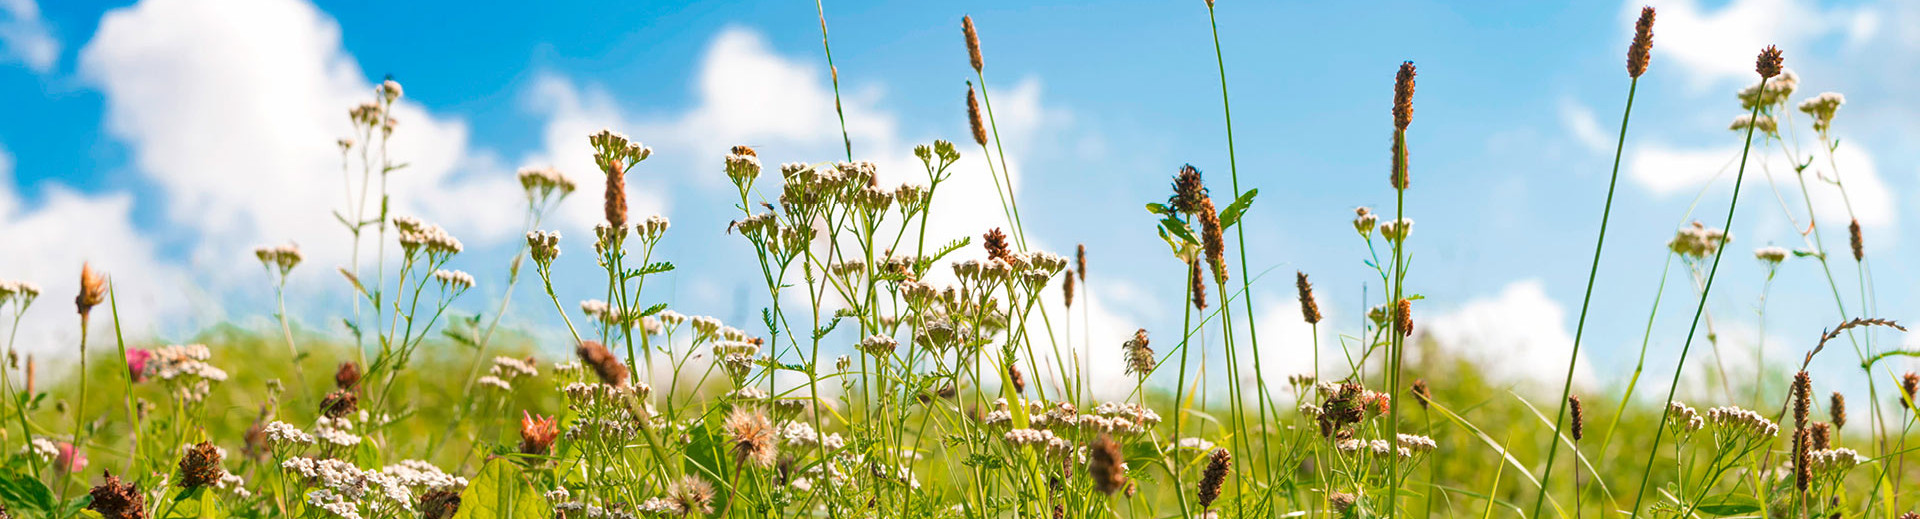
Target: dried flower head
column 1768, row 64
column 348, row 376
column 1309, row 308
column 691, row 494
column 115, row 499
column 1909, row 385
column 1219, row 464
column 1822, row 436
column 339, row 404
column 1139, row 355
column 1837, row 410
column 603, row 363
column 201, row 466
column 752, row 434
column 93, row 289
column 1403, row 96
column 1642, row 46
column 1188, row 190
column 537, row 433
column 1343, row 502
column 973, row 116
column 996, row 243
column 973, row 42
column 1105, row 465
column 1421, row 394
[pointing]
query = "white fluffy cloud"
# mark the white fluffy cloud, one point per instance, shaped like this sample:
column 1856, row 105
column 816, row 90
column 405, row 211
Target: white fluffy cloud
column 25, row 37
column 1585, row 128
column 1519, row 335
column 1668, row 171
column 1715, row 44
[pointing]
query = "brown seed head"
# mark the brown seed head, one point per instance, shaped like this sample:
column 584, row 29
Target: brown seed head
column 616, row 201
column 1837, row 410
column 1188, row 191
column 973, row 116
column 115, row 499
column 201, row 466
column 1139, row 354
column 348, row 376
column 1343, row 502
column 596, row 356
column 1019, row 380
column 1579, row 416
column 1219, row 464
column 537, row 433
column 1308, row 307
column 93, row 289
column 1197, row 285
column 339, row 403
column 1909, row 385
column 1403, row 96
column 1066, row 291
column 1421, row 394
column 1403, row 317
column 752, row 436
column 1802, row 447
column 996, row 244
column 1768, row 64
column 973, row 42
column 1638, row 52
column 1104, row 465
column 440, row 504
column 1213, row 241
column 1859, row 248
column 1822, row 436
column 1802, row 399
column 1398, row 175
column 1080, row 262
column 1910, row 515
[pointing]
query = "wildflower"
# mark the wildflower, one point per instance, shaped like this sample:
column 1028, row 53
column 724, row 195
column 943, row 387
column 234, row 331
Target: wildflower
column 1697, row 241
column 494, row 382
column 1106, row 465
column 1741, row 424
column 416, row 235
column 93, row 290
column 1309, row 309
column 1343, row 502
column 137, row 364
column 1829, row 464
column 1822, row 435
column 1364, row 220
column 388, row 90
column 439, row 504
column 1770, row 255
column 544, row 246
column 752, row 436
column 70, row 460
column 1403, row 317
column 1396, row 230
column 973, row 117
column 1637, row 52
column 1415, row 443
column 1219, row 464
column 691, row 494
column 1822, row 108
column 973, row 42
column 1139, row 354
column 348, row 376
column 1199, row 444
column 1768, row 64
column 1763, row 124
column 537, row 433
column 282, row 433
column 279, row 257
column 339, row 403
column 114, row 499
column 1684, row 419
column 596, row 356
column 455, row 280
column 201, row 466
column 1213, row 242
column 1579, row 416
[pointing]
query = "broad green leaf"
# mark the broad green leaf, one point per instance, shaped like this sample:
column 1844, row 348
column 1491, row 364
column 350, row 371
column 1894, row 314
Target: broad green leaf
column 498, row 492
column 25, row 492
column 1728, row 504
column 1232, row 214
column 1158, row 208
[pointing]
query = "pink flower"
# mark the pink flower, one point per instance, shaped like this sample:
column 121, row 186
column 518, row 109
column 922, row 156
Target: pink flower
column 137, row 364
column 70, row 459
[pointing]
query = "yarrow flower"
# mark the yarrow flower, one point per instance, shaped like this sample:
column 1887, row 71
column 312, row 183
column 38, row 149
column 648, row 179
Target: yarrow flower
column 454, row 280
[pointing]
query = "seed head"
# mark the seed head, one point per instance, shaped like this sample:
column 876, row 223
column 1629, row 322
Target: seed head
column 1853, row 232
column 1403, row 96
column 616, row 199
column 1219, row 464
column 1579, row 415
column 1197, row 285
column 1019, row 380
column 1139, row 354
column 1802, row 399
column 201, row 466
column 1768, row 64
column 1080, row 262
column 604, row 364
column 440, row 504
column 996, row 244
column 93, row 289
column 1188, row 191
column 114, row 499
column 1909, row 385
column 1802, row 471
column 1642, row 46
column 973, row 42
column 1066, row 291
column 1308, row 307
column 752, row 436
column 1403, row 317
column 973, row 116
column 1105, row 465
column 537, row 433
column 339, row 404
column 1213, row 241
column 1421, row 394
column 1837, row 410
column 1822, row 436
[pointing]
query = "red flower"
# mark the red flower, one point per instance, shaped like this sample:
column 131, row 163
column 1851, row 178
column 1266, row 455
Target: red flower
column 137, row 364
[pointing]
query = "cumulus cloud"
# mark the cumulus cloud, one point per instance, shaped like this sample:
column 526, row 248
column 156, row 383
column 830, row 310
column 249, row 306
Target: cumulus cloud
column 1518, row 335
column 1666, row 171
column 1711, row 45
column 25, row 37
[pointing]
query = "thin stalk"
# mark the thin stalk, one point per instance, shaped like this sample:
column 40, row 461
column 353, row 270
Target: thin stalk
column 1699, row 309
column 1586, row 303
column 834, row 73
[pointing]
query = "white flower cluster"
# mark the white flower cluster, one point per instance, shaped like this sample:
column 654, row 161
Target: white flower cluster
column 1697, row 241
column 185, row 367
column 507, row 369
column 1683, row 419
column 1740, row 424
column 542, row 182
column 23, row 291
column 1419, row 444
column 1198, row 444
column 1775, row 93
column 343, row 487
column 1833, row 463
column 456, row 280
column 652, row 229
column 282, row 433
column 878, row 345
column 1762, row 124
column 1770, row 255
column 336, row 431
column 424, row 476
column 416, row 234
column 1822, row 107
column 42, row 448
column 281, row 257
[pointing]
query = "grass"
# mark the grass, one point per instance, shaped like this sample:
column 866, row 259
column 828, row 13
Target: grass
column 895, row 374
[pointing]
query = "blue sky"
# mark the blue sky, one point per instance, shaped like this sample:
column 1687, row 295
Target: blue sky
column 166, row 138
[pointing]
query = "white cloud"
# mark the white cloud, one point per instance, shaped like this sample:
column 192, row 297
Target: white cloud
column 1667, row 171
column 1580, row 122
column 1710, row 45
column 232, row 108
column 1519, row 335
column 25, row 37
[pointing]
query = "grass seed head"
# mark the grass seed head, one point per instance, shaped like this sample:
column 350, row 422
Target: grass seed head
column 1197, row 285
column 1837, row 410
column 973, row 42
column 603, row 363
column 1403, row 96
column 973, row 116
column 1579, row 416
column 1642, row 47
column 1309, row 308
column 1080, row 262
column 1802, row 399
column 1213, row 241
column 1822, row 436
column 1909, row 385
column 1853, row 233
column 1219, row 464
column 1105, row 465
column 1403, row 317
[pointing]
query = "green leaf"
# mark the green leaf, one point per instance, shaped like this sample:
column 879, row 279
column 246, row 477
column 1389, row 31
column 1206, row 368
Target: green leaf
column 1159, row 209
column 499, row 492
column 1232, row 214
column 1179, row 229
column 1728, row 504
column 25, row 492
column 651, row 310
